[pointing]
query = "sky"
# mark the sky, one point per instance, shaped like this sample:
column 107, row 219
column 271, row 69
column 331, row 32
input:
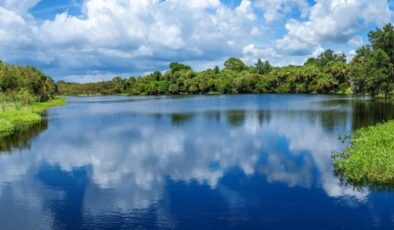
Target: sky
column 94, row 40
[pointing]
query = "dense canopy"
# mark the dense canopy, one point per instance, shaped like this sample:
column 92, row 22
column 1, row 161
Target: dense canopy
column 25, row 84
column 370, row 72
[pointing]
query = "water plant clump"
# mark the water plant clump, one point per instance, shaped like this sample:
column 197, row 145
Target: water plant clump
column 369, row 160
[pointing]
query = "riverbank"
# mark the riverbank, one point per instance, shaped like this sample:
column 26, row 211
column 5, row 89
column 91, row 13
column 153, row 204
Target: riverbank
column 13, row 116
column 369, row 160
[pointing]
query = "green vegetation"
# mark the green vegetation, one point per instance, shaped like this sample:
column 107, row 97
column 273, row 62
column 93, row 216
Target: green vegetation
column 116, row 86
column 370, row 158
column 14, row 116
column 6, row 127
column 24, row 84
column 370, row 72
column 235, row 78
column 25, row 92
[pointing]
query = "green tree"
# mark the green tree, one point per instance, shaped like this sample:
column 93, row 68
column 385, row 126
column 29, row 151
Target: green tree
column 217, row 69
column 383, row 39
column 378, row 80
column 358, row 70
column 372, row 69
column 263, row 67
column 325, row 58
column 235, row 64
column 176, row 66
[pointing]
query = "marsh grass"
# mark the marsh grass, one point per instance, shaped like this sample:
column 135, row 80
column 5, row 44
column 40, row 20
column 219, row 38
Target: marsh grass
column 13, row 115
column 369, row 160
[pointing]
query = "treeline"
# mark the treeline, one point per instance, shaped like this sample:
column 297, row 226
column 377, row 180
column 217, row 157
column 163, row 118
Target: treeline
column 115, row 86
column 25, row 84
column 369, row 72
column 235, row 77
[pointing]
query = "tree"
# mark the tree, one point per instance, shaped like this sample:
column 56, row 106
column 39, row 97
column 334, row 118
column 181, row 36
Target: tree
column 378, row 80
column 372, row 69
column 263, row 67
column 157, row 75
column 25, row 82
column 383, row 39
column 173, row 89
column 339, row 70
column 176, row 66
column 325, row 58
column 234, row 64
column 216, row 69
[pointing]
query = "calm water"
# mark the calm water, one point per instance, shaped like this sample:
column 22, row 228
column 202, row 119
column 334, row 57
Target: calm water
column 219, row 162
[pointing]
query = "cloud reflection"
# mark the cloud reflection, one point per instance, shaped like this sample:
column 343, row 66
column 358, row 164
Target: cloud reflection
column 132, row 150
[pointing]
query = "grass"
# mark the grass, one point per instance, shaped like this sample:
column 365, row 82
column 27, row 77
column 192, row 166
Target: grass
column 369, row 160
column 13, row 115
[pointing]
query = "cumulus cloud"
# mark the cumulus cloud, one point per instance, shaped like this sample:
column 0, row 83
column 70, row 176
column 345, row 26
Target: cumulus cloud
column 252, row 52
column 19, row 6
column 335, row 21
column 356, row 41
column 128, row 31
column 276, row 9
column 138, row 36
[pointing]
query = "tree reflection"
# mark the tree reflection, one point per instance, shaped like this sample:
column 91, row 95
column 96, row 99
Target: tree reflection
column 181, row 118
column 22, row 137
column 128, row 161
column 367, row 113
column 235, row 118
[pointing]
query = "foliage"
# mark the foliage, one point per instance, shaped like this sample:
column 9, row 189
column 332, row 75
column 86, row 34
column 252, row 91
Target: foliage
column 234, row 64
column 25, row 83
column 6, row 127
column 15, row 115
column 24, row 93
column 370, row 72
column 372, row 69
column 370, row 158
column 176, row 66
column 236, row 77
column 326, row 58
column 263, row 67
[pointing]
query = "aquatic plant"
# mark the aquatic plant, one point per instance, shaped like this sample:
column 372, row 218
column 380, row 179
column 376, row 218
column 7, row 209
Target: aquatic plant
column 369, row 160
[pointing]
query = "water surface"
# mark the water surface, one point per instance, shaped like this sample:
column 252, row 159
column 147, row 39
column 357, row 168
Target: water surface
column 206, row 162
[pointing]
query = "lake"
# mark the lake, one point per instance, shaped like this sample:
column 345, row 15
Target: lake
column 203, row 162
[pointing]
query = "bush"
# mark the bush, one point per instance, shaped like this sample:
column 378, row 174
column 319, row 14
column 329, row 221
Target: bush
column 370, row 157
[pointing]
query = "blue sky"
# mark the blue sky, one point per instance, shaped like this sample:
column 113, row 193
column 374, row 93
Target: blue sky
column 92, row 40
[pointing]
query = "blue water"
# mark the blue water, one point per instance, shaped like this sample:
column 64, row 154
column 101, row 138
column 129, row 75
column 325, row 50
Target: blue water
column 205, row 162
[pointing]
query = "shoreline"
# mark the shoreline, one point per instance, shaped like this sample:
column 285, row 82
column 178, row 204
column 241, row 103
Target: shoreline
column 13, row 117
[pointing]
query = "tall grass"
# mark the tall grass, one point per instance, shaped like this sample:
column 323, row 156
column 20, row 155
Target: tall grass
column 17, row 113
column 369, row 160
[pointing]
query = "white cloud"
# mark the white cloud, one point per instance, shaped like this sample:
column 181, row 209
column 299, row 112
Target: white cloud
column 276, row 9
column 334, row 21
column 356, row 41
column 20, row 6
column 130, row 30
column 317, row 51
column 252, row 52
column 136, row 36
column 202, row 4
